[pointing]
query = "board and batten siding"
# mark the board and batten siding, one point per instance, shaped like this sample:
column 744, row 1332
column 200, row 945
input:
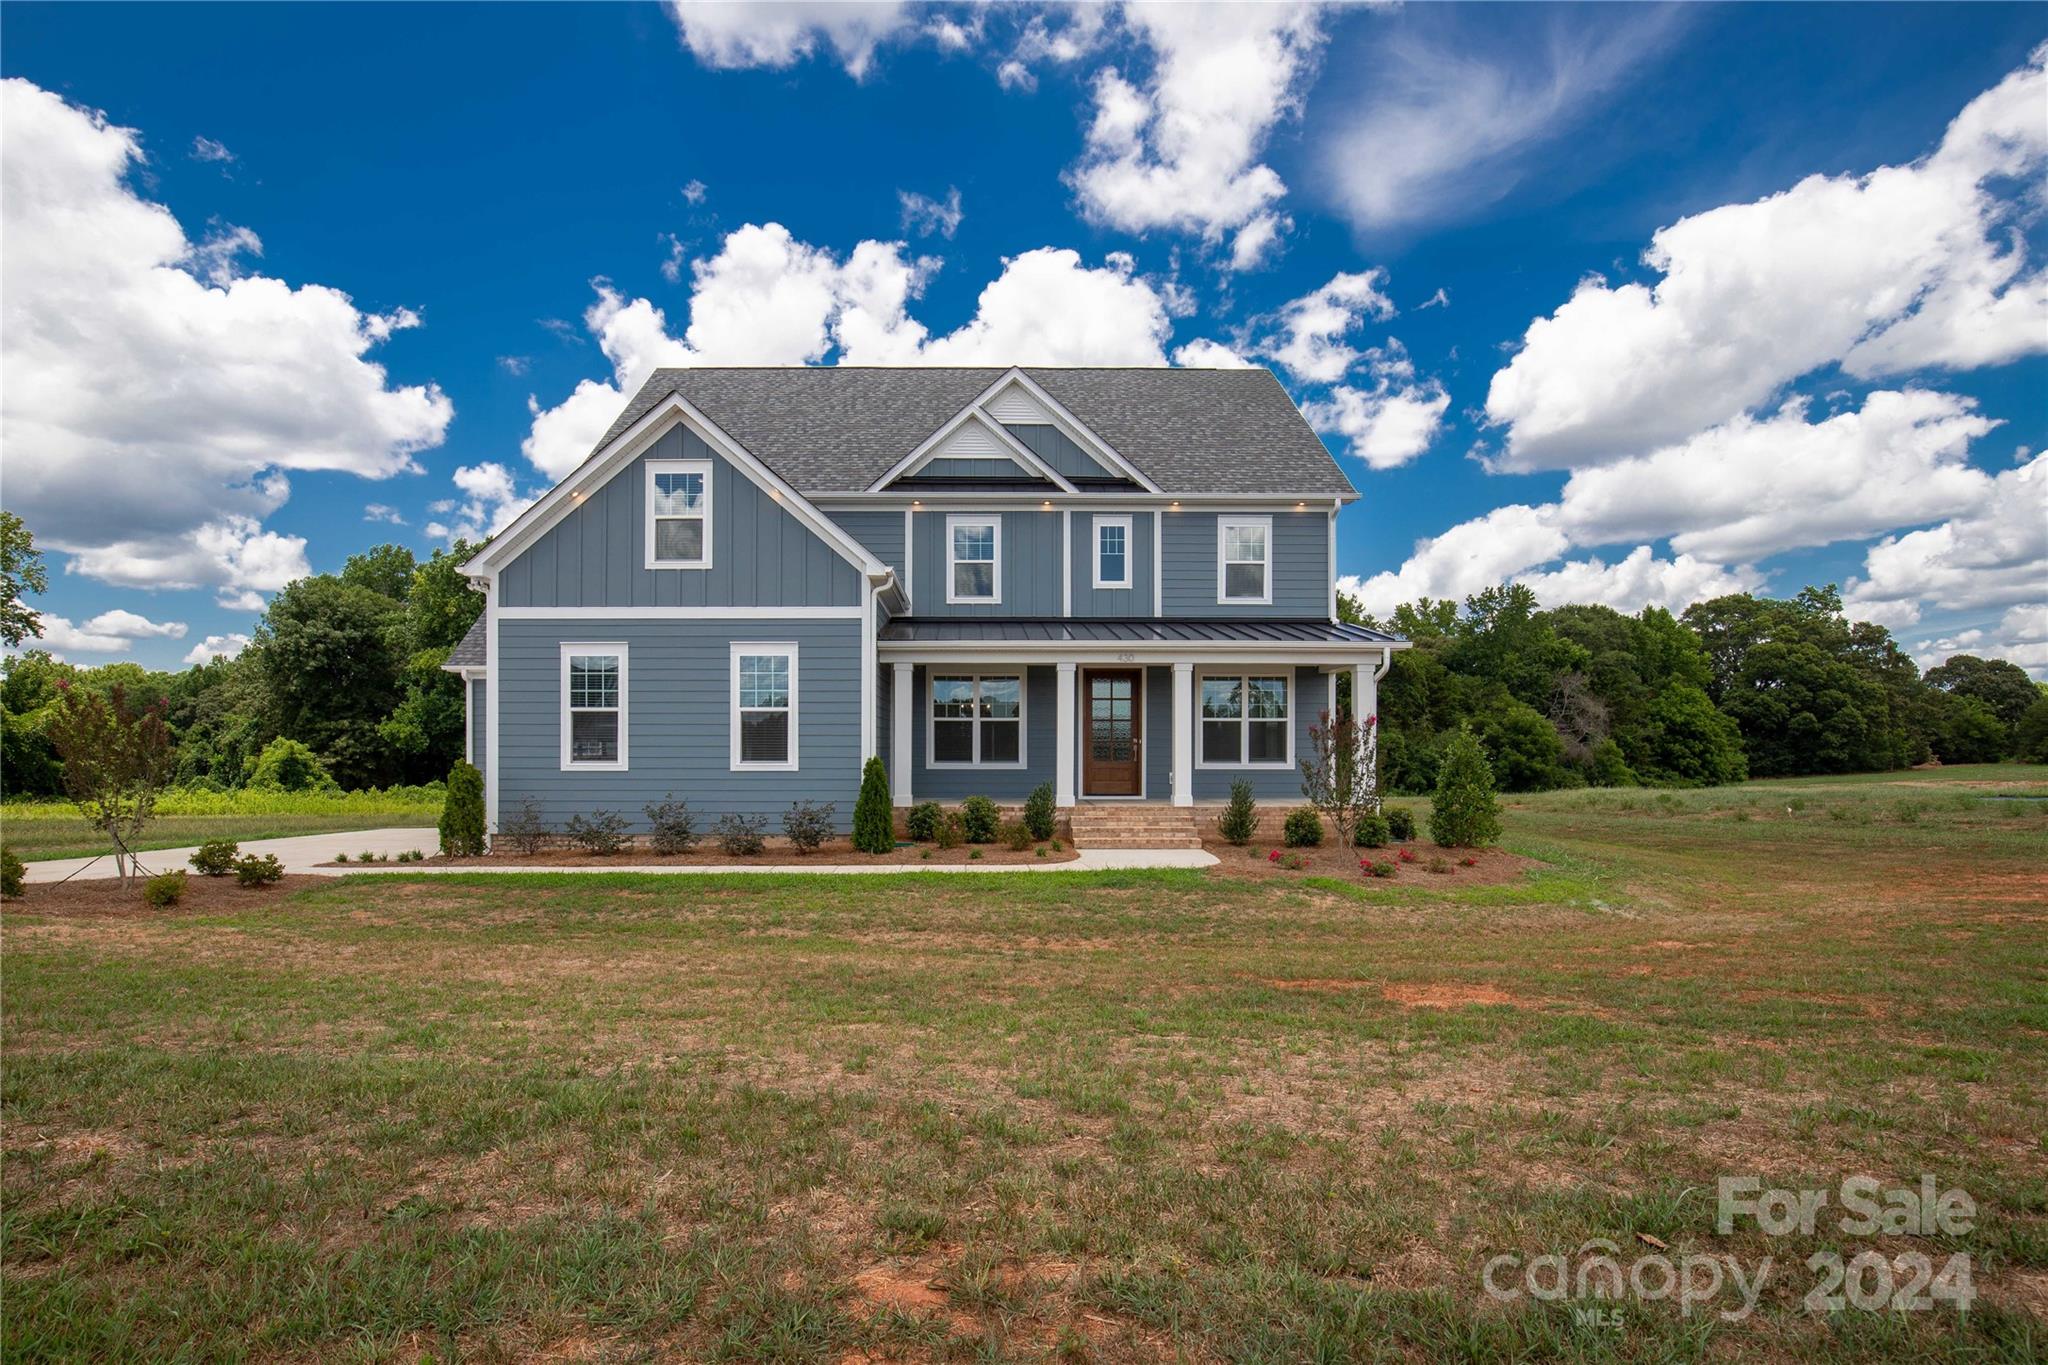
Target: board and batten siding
column 881, row 531
column 1030, row 557
column 761, row 555
column 1135, row 600
column 1053, row 449
column 1300, row 566
column 678, row 719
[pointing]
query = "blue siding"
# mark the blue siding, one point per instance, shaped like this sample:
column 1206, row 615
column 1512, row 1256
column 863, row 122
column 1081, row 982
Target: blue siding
column 479, row 702
column 1135, row 600
column 1311, row 697
column 678, row 691
column 1031, row 564
column 881, row 531
column 760, row 554
column 1159, row 723
column 1051, row 445
column 1007, row 785
column 1300, row 568
column 955, row 468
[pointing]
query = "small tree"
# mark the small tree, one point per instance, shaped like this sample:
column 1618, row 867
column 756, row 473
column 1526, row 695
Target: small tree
column 1240, row 819
column 874, row 822
column 117, row 760
column 1041, row 811
column 1466, row 811
column 1340, row 777
column 462, row 813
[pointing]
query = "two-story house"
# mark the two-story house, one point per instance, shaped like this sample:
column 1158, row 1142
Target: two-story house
column 1119, row 581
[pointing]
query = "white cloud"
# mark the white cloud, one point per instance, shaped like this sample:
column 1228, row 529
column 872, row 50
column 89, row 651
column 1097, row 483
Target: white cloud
column 1471, row 555
column 768, row 299
column 1181, row 152
column 149, row 411
column 1440, row 299
column 515, row 364
column 2020, row 637
column 378, row 512
column 1203, row 353
column 245, row 600
column 695, row 191
column 925, row 215
column 1908, row 267
column 732, row 35
column 672, row 264
column 217, row 647
column 490, row 502
column 1639, row 580
column 207, row 149
column 1014, row 75
column 1448, row 128
column 1993, row 556
column 1310, row 341
column 111, row 632
column 1390, row 423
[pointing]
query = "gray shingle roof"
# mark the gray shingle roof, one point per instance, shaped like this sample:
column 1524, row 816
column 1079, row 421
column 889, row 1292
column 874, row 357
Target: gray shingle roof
column 472, row 651
column 838, row 428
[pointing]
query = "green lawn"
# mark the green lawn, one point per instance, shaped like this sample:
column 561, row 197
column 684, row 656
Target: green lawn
column 1041, row 1117
column 53, row 829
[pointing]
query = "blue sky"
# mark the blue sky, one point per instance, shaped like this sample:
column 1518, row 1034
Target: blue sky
column 1393, row 208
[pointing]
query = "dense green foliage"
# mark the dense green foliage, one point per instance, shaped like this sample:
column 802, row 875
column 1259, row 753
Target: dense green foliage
column 979, row 818
column 874, row 822
column 922, row 824
column 1465, row 812
column 21, row 571
column 1740, row 686
column 13, row 873
column 165, row 889
column 1303, row 829
column 1372, row 831
column 1240, row 819
column 462, row 814
column 1041, row 811
column 216, row 857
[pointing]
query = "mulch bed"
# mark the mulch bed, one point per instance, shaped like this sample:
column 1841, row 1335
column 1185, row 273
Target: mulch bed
column 204, row 895
column 1495, row 865
column 778, row 852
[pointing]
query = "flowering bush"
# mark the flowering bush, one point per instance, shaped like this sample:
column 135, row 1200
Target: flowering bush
column 1407, row 856
column 1274, row 856
column 1373, row 869
column 1468, row 862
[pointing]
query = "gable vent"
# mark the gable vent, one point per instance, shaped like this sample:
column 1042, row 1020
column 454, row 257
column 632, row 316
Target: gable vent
column 971, row 440
column 1015, row 406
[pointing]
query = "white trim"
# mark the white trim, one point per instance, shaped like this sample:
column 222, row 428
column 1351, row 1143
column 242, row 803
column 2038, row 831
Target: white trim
column 994, row 519
column 1067, row 562
column 654, row 467
column 902, row 696
column 1158, row 562
column 491, row 692
column 684, row 613
column 1183, row 732
column 628, row 445
column 1023, row 723
column 868, row 665
column 1224, row 525
column 910, row 561
column 593, row 647
column 1064, row 749
column 928, row 449
column 1130, row 548
column 468, row 722
column 732, row 715
column 1221, row 653
column 1243, row 673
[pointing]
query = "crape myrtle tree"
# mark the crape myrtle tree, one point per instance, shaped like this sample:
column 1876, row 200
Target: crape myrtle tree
column 117, row 760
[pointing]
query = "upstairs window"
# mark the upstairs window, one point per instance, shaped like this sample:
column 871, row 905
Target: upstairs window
column 1112, row 552
column 593, row 706
column 976, row 720
column 1245, row 722
column 763, row 706
column 678, row 514
column 974, row 559
column 1244, row 559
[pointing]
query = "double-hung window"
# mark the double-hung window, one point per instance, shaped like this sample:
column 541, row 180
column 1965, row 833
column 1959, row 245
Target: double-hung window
column 764, row 706
column 974, row 559
column 1245, row 722
column 593, row 706
column 976, row 719
column 1244, row 560
column 1112, row 552
column 679, row 514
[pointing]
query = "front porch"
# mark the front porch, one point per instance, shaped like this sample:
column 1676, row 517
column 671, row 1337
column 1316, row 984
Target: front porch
column 1112, row 712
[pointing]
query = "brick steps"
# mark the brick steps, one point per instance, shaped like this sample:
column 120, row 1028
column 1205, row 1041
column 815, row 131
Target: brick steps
column 1134, row 826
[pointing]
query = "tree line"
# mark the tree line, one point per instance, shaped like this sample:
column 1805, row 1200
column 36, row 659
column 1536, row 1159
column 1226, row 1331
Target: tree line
column 1738, row 686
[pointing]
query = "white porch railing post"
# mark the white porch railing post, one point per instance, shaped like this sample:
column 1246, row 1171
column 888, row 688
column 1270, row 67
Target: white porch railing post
column 1063, row 736
column 1183, row 733
column 901, row 695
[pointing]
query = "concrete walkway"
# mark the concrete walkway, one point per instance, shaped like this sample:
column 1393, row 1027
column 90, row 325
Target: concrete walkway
column 305, row 853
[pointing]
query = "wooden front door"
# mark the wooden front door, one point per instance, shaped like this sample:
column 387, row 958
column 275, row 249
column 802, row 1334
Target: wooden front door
column 1112, row 759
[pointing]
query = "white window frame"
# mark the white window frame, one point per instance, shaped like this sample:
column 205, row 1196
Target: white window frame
column 953, row 598
column 1129, row 548
column 931, row 719
column 1243, row 677
column 745, row 647
column 1224, row 525
column 655, row 467
column 573, row 647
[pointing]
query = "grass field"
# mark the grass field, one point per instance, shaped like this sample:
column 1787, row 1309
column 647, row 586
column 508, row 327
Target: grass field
column 53, row 829
column 1052, row 1116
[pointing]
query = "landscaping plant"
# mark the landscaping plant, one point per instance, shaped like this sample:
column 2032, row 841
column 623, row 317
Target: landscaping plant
column 1040, row 814
column 1400, row 822
column 1015, row 835
column 216, row 857
column 1239, row 822
column 250, row 870
column 525, row 833
column 1371, row 832
column 602, row 832
column 673, row 828
column 117, row 760
column 1304, row 828
column 951, row 833
column 874, row 820
column 1338, row 776
column 462, row 813
column 924, row 820
column 978, row 819
column 1466, row 812
column 165, row 889
column 741, row 836
column 807, row 825
column 13, row 873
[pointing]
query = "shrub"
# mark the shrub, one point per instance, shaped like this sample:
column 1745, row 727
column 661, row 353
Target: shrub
column 165, row 889
column 1373, row 869
column 807, row 825
column 602, row 832
column 674, row 828
column 341, row 857
column 412, row 855
column 974, row 854
column 285, row 765
column 1239, row 822
column 1304, row 828
column 1608, row 768
column 922, row 824
column 1015, row 835
column 874, row 821
column 525, row 833
column 462, row 813
column 251, row 870
column 1371, row 832
column 978, row 819
column 13, row 872
column 950, row 833
column 1466, row 812
column 1040, row 814
column 368, row 857
column 741, row 836
column 216, row 857
column 1293, row 862
column 1437, row 864
column 1400, row 822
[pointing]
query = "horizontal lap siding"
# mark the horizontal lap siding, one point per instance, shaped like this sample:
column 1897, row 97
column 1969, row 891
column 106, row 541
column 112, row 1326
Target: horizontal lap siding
column 1300, row 566
column 761, row 555
column 1311, row 697
column 479, row 727
column 678, row 735
column 1007, row 785
column 1031, row 564
column 1135, row 600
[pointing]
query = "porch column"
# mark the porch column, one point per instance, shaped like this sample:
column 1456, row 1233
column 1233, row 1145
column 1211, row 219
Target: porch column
column 1184, row 734
column 901, row 695
column 1063, row 737
column 1365, row 704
